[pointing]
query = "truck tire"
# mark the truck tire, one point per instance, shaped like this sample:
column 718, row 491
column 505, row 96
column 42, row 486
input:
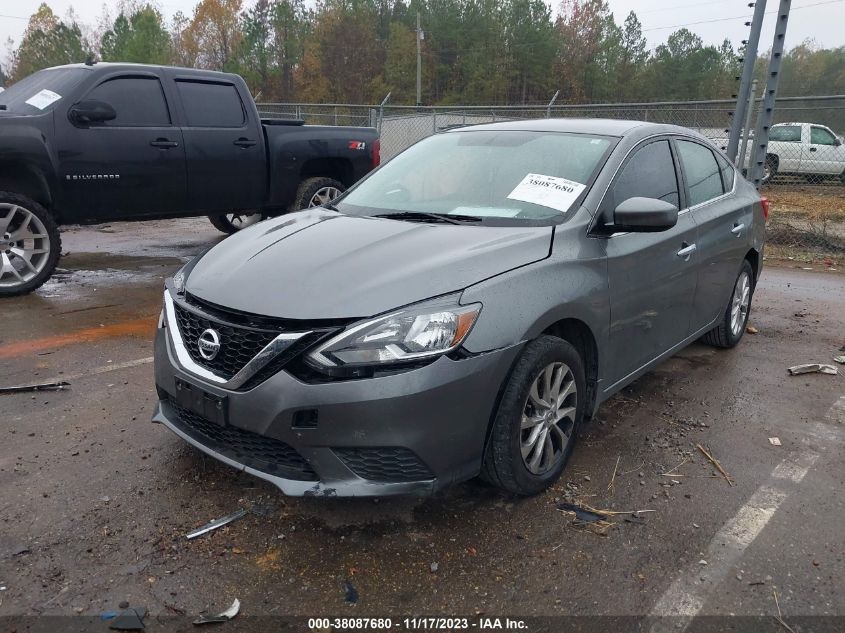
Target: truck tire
column 770, row 169
column 30, row 244
column 234, row 222
column 313, row 192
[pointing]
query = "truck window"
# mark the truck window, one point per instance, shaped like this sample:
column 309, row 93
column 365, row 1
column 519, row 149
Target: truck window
column 59, row 81
column 702, row 172
column 138, row 101
column 211, row 104
column 821, row 136
column 786, row 133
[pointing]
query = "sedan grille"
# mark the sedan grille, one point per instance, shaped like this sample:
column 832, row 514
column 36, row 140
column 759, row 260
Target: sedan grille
column 385, row 464
column 238, row 345
column 260, row 452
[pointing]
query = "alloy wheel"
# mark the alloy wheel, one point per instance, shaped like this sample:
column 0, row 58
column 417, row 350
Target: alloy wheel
column 323, row 195
column 548, row 418
column 24, row 245
column 242, row 220
column 740, row 302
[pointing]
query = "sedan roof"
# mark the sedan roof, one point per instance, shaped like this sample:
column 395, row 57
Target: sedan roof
column 606, row 127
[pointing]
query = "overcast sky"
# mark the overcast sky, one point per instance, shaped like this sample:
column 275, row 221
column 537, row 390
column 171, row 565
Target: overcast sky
column 713, row 20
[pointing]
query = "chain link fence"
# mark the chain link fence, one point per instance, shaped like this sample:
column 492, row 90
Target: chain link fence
column 804, row 169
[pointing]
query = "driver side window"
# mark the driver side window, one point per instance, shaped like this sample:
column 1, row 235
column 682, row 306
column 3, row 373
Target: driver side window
column 820, row 136
column 138, row 101
column 649, row 173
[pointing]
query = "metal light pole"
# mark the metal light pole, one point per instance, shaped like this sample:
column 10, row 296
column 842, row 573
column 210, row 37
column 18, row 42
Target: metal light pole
column 767, row 110
column 419, row 61
column 745, row 80
column 740, row 161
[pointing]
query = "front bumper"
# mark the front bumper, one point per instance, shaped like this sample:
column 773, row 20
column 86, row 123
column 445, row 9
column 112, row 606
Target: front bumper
column 410, row 432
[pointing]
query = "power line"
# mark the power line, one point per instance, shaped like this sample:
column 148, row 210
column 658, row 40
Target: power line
column 736, row 17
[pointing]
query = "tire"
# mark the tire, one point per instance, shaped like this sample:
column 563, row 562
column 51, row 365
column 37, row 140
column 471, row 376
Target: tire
column 29, row 261
column 313, row 192
column 729, row 332
column 770, row 169
column 234, row 222
column 504, row 465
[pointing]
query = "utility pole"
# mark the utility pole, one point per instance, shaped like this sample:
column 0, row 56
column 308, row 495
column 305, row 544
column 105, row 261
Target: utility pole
column 745, row 80
column 764, row 120
column 419, row 61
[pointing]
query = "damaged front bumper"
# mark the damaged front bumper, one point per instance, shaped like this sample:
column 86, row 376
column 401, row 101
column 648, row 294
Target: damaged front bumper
column 412, row 432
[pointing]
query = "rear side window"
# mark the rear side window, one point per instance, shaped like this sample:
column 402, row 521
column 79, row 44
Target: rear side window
column 786, row 133
column 821, row 136
column 704, row 179
column 138, row 101
column 211, row 104
column 728, row 172
column 650, row 173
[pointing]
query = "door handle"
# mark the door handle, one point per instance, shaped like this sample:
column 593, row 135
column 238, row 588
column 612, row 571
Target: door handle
column 686, row 252
column 812, row 149
column 245, row 142
column 164, row 143
column 738, row 229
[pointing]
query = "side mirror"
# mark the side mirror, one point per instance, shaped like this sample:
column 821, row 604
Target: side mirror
column 644, row 215
column 91, row 111
column 838, row 141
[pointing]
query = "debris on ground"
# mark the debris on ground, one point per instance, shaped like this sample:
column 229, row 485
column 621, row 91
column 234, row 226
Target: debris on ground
column 351, row 592
column 263, row 509
column 434, row 567
column 225, row 616
column 779, row 616
column 613, row 477
column 715, row 462
column 217, row 523
column 587, row 516
column 774, row 441
column 751, row 329
column 840, row 359
column 599, row 521
column 43, row 386
column 812, row 368
column 129, row 620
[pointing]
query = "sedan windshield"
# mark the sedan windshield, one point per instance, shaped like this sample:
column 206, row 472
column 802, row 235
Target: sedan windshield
column 40, row 91
column 475, row 175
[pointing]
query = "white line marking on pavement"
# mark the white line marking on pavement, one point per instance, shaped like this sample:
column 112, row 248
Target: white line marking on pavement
column 687, row 594
column 797, row 469
column 105, row 369
column 837, row 411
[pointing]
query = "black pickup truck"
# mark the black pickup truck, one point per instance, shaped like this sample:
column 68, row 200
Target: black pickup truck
column 97, row 142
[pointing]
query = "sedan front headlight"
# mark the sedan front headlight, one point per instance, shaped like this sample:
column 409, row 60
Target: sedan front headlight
column 417, row 332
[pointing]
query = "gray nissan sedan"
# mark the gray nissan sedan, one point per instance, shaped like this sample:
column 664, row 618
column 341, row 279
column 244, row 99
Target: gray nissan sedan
column 461, row 311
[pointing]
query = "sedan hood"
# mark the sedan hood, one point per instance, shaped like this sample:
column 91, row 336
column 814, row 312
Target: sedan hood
column 319, row 264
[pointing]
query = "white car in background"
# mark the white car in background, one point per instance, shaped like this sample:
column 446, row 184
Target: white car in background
column 805, row 149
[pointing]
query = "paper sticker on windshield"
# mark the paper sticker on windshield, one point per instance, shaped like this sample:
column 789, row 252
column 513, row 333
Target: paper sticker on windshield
column 43, row 98
column 547, row 191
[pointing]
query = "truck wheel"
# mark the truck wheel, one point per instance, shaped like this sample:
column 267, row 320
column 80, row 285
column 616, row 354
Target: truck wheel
column 234, row 222
column 770, row 169
column 30, row 244
column 314, row 192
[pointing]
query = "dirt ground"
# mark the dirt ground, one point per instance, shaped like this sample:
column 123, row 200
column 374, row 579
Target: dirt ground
column 95, row 501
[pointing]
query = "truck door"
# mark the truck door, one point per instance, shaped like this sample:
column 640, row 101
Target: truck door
column 224, row 147
column 131, row 166
column 824, row 153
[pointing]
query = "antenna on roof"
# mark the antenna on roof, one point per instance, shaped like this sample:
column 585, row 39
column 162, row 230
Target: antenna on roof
column 89, row 61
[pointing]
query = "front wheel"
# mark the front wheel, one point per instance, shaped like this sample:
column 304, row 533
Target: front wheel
column 316, row 192
column 30, row 244
column 770, row 169
column 234, row 222
column 538, row 418
column 729, row 332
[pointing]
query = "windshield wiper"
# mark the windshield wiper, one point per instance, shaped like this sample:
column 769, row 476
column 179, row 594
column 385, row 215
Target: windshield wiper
column 422, row 216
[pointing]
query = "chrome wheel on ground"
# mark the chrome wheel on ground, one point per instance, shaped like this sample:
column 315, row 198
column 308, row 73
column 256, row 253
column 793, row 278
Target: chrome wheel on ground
column 323, row 196
column 548, row 418
column 233, row 222
column 735, row 317
column 29, row 244
column 740, row 302
column 536, row 423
